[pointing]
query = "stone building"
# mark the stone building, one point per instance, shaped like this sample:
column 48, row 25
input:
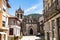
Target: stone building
column 30, row 27
column 4, row 5
column 51, row 14
column 41, row 25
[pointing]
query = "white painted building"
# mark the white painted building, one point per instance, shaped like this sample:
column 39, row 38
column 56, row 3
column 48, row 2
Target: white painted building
column 14, row 27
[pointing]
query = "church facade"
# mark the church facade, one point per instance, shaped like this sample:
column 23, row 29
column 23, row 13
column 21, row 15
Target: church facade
column 29, row 25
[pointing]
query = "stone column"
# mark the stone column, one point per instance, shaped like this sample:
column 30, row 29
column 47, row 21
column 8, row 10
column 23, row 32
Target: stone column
column 51, row 31
column 6, row 37
column 45, row 35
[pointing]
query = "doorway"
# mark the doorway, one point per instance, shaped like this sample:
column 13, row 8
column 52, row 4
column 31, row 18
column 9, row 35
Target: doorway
column 31, row 31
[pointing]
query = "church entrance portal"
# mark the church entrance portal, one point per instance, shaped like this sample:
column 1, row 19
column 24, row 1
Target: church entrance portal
column 31, row 32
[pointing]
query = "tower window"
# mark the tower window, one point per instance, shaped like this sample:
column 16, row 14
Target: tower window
column 21, row 16
column 18, row 15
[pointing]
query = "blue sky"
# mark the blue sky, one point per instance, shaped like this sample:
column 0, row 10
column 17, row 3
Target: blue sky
column 29, row 6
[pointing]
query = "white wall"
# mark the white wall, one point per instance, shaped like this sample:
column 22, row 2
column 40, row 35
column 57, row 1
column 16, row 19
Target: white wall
column 16, row 30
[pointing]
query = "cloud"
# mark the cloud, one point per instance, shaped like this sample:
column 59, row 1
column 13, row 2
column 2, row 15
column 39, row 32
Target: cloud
column 32, row 8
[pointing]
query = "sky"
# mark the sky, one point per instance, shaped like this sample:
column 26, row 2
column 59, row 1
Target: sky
column 28, row 6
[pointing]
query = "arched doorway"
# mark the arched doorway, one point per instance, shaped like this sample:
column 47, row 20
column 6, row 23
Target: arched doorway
column 31, row 31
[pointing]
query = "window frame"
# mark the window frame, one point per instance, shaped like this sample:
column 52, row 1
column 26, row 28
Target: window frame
column 3, row 23
column 4, row 9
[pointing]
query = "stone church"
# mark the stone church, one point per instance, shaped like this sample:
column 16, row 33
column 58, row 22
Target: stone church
column 28, row 25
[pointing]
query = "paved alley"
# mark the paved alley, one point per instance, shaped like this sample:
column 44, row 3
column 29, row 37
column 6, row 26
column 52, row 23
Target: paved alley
column 30, row 38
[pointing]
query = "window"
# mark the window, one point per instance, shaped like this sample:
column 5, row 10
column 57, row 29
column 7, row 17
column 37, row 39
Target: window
column 4, row 10
column 13, row 22
column 3, row 23
column 4, row 17
column 10, row 31
column 53, row 24
column 21, row 16
column 18, row 15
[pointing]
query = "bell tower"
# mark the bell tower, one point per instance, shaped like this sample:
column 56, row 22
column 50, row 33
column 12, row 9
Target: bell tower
column 19, row 14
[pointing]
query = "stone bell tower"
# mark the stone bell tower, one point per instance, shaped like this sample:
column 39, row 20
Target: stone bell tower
column 20, row 14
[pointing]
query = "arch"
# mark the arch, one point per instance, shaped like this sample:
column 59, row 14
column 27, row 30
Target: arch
column 31, row 31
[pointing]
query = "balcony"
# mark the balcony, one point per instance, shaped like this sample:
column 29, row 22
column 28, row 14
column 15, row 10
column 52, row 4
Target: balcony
column 52, row 10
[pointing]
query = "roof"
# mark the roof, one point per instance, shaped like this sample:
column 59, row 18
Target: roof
column 7, row 4
column 13, row 17
column 19, row 11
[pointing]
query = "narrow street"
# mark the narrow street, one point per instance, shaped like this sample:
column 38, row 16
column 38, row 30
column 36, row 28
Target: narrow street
column 30, row 38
